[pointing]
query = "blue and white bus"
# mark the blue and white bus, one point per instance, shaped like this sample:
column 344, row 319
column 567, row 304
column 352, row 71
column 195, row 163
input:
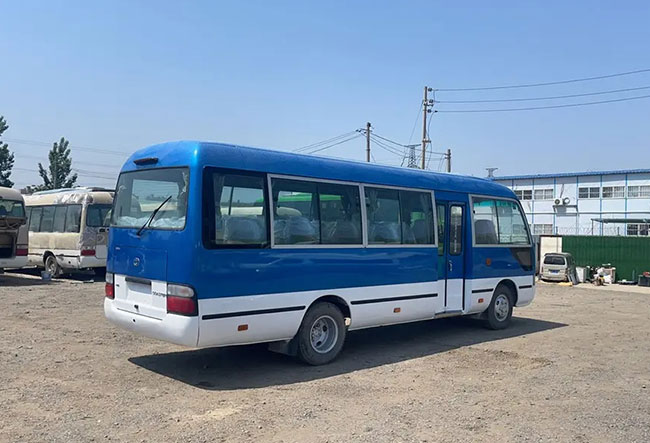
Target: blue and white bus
column 218, row 245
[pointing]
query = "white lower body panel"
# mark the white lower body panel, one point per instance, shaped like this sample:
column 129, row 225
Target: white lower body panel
column 251, row 319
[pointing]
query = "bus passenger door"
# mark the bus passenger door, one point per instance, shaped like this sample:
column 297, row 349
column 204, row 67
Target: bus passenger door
column 451, row 252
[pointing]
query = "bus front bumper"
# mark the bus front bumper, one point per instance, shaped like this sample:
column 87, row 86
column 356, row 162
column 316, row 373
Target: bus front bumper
column 171, row 328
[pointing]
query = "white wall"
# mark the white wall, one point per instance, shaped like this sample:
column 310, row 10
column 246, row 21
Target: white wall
column 576, row 217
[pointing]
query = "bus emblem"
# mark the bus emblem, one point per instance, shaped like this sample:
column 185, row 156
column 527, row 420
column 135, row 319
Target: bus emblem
column 136, row 262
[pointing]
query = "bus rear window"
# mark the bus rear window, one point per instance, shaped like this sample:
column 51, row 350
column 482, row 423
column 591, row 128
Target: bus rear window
column 98, row 216
column 140, row 193
column 11, row 208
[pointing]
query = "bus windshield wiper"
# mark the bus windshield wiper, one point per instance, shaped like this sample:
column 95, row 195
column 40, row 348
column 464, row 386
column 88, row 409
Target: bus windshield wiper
column 153, row 214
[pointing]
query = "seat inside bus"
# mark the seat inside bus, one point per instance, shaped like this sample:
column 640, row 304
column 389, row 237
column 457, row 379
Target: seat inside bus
column 485, row 232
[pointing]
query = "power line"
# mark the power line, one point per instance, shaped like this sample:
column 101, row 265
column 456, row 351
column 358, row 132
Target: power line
column 531, row 85
column 335, row 144
column 545, row 107
column 543, row 98
column 389, row 140
column 20, row 156
column 83, row 174
column 417, row 118
column 387, row 148
column 314, row 145
column 80, row 148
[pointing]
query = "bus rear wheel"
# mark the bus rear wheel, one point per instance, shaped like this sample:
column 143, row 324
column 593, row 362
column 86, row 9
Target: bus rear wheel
column 499, row 313
column 52, row 266
column 321, row 334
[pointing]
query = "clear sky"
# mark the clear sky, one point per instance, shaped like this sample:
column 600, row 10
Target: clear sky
column 119, row 75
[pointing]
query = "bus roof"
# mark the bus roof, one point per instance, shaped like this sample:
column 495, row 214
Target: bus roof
column 70, row 196
column 200, row 154
column 10, row 194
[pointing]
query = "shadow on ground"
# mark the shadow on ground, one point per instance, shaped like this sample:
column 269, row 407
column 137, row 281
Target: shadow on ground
column 19, row 279
column 242, row 367
column 32, row 277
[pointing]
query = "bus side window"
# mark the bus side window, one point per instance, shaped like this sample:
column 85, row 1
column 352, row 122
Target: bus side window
column 455, row 230
column 340, row 214
column 59, row 218
column 239, row 215
column 417, row 218
column 485, row 221
column 73, row 218
column 35, row 219
column 441, row 229
column 383, row 216
column 296, row 218
column 47, row 219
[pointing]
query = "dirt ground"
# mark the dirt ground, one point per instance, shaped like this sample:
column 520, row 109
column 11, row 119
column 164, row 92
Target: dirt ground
column 574, row 366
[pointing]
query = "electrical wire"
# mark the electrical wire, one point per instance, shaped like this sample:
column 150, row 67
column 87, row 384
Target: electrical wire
column 80, row 148
column 82, row 174
column 389, row 140
column 543, row 98
column 415, row 123
column 385, row 146
column 314, row 145
column 335, row 144
column 533, row 108
column 20, row 156
column 531, row 85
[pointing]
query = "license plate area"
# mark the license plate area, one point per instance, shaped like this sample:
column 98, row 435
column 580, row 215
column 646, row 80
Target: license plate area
column 141, row 296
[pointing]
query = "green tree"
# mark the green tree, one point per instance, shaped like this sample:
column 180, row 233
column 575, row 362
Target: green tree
column 59, row 174
column 6, row 158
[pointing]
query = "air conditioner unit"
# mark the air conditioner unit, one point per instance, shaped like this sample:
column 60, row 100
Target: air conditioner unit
column 557, row 202
column 566, row 201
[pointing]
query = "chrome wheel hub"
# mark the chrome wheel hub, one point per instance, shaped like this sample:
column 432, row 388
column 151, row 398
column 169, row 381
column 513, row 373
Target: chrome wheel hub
column 324, row 334
column 501, row 307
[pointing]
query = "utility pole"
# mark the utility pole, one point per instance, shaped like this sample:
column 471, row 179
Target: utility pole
column 425, row 110
column 368, row 126
column 448, row 157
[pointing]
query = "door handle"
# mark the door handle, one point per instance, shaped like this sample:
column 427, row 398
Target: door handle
column 451, row 265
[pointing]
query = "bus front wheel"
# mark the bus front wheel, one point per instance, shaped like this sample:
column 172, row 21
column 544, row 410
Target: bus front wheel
column 499, row 313
column 321, row 334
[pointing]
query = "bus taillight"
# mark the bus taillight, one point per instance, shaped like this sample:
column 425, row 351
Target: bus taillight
column 109, row 288
column 181, row 300
column 87, row 252
column 21, row 252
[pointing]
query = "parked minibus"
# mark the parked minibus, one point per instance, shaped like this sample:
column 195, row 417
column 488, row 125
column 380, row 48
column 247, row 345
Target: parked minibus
column 13, row 229
column 217, row 245
column 68, row 228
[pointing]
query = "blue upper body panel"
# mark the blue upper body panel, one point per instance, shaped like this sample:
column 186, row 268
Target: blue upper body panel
column 179, row 256
column 200, row 154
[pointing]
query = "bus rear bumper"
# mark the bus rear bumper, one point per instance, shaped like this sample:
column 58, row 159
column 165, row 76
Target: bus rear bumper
column 13, row 263
column 171, row 328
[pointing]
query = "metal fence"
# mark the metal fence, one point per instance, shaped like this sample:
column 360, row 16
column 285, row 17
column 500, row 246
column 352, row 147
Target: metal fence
column 630, row 255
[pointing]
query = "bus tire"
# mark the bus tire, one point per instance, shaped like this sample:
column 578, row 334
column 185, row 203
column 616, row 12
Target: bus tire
column 321, row 334
column 499, row 313
column 51, row 265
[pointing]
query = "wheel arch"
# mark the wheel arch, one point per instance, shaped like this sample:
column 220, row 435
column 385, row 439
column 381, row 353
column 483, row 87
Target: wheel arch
column 46, row 254
column 335, row 300
column 512, row 287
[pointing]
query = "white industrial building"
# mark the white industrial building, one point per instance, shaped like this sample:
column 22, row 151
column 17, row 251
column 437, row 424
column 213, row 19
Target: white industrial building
column 585, row 203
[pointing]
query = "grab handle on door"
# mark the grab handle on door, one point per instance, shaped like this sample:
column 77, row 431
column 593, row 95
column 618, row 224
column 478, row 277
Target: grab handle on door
column 451, row 265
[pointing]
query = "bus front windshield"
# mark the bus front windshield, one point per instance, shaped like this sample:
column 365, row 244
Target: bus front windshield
column 139, row 193
column 11, row 208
